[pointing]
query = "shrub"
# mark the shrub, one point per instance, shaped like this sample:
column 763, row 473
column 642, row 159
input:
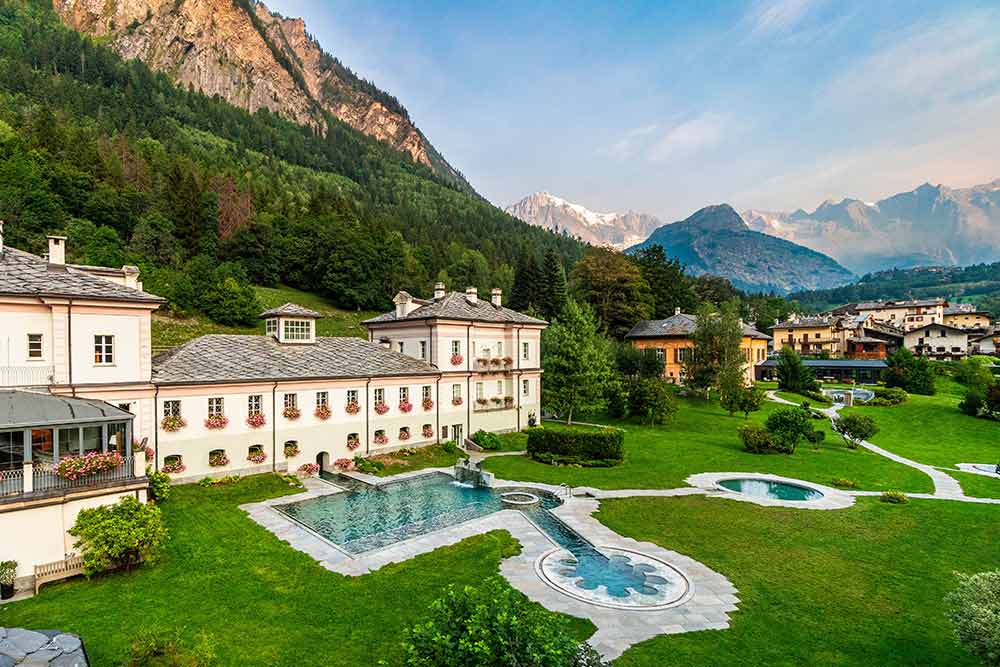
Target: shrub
column 894, row 497
column 491, row 625
column 906, row 371
column 975, row 615
column 751, row 400
column 450, row 447
column 817, row 396
column 369, row 466
column 843, row 483
column 756, row 438
column 583, row 445
column 788, row 426
column 486, row 440
column 119, row 535
column 974, row 373
column 816, row 437
column 888, row 396
column 161, row 649
column 159, row 483
column 793, row 375
column 8, row 572
column 974, row 402
column 652, row 400
column 855, row 428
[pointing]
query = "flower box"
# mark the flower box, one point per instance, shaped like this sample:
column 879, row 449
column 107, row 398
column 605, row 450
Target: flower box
column 381, row 408
column 352, row 408
column 353, row 443
column 496, row 361
column 405, row 406
column 291, row 413
column 172, row 423
column 150, row 453
column 428, row 431
column 257, row 456
column 508, row 401
column 457, row 400
column 308, row 469
column 381, row 439
column 256, row 420
column 291, row 450
column 481, row 401
column 174, row 467
column 404, row 434
column 322, row 412
column 218, row 460
column 457, row 359
column 508, row 361
column 343, row 464
column 75, row 467
column 216, row 422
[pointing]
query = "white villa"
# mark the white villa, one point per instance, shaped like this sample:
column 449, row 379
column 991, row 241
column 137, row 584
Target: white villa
column 77, row 376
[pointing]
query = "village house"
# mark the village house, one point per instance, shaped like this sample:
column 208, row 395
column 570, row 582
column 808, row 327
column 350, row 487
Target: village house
column 851, row 336
column 672, row 340
column 965, row 316
column 938, row 341
column 77, row 377
column 906, row 315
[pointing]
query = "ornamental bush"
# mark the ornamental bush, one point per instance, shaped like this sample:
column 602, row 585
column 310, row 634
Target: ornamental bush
column 159, row 483
column 486, row 440
column 975, row 615
column 756, row 439
column 855, row 428
column 492, row 625
column 788, row 427
column 888, row 396
column 586, row 446
column 119, row 535
column 974, row 402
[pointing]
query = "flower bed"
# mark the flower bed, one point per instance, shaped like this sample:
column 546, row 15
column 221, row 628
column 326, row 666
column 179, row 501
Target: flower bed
column 381, row 408
column 172, row 423
column 218, row 460
column 257, row 456
column 216, row 422
column 75, row 467
column 322, row 412
column 457, row 359
column 353, row 443
column 343, row 464
column 291, row 449
column 352, row 408
column 428, row 404
column 291, row 413
column 405, row 406
column 308, row 469
column 428, row 431
column 256, row 421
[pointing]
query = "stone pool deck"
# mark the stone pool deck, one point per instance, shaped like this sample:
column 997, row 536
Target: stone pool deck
column 706, row 606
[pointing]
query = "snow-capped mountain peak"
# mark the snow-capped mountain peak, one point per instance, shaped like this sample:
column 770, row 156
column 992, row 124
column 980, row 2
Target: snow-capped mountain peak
column 619, row 230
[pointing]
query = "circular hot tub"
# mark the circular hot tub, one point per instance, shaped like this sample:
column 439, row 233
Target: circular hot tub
column 519, row 500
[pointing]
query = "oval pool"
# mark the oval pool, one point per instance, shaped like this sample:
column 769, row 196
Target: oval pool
column 770, row 489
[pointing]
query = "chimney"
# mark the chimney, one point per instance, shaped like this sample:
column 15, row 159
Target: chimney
column 472, row 295
column 495, row 296
column 1, row 237
column 677, row 311
column 57, row 250
column 131, row 274
column 438, row 291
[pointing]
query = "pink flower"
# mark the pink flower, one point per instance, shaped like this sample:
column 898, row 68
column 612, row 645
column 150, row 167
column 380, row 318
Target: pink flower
column 322, row 412
column 381, row 408
column 256, row 420
column 352, row 408
column 428, row 404
column 216, row 422
column 291, row 413
column 456, row 359
column 457, row 400
column 343, row 464
column 308, row 469
column 405, row 406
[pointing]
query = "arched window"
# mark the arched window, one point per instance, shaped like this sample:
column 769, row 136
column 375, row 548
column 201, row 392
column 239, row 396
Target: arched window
column 404, row 433
column 255, row 454
column 217, row 458
column 427, row 430
column 173, row 464
column 291, row 448
column 381, row 438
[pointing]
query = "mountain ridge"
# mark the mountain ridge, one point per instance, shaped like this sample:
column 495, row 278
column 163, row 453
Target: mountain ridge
column 618, row 230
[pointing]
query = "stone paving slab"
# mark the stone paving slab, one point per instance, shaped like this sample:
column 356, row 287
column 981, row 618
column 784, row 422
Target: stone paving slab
column 971, row 467
column 49, row 648
column 833, row 499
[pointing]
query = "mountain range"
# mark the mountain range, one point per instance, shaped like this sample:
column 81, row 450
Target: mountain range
column 716, row 240
column 930, row 225
column 254, row 59
column 618, row 230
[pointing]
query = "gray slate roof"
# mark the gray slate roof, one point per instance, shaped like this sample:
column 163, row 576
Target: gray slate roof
column 454, row 306
column 291, row 310
column 221, row 358
column 809, row 322
column 682, row 325
column 832, row 363
column 24, row 274
column 21, row 409
column 878, row 305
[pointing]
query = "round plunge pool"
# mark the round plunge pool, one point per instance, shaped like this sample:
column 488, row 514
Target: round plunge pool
column 770, row 489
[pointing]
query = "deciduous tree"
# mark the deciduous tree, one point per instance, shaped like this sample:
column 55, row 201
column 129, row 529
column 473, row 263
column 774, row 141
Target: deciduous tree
column 577, row 362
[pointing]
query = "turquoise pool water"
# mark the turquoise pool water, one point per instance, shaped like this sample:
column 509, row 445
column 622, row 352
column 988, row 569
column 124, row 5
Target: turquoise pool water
column 764, row 488
column 367, row 518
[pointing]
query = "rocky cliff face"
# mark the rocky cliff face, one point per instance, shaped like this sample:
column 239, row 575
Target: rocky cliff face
column 618, row 230
column 930, row 225
column 254, row 59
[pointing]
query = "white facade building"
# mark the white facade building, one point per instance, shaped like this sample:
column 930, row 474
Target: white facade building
column 938, row 341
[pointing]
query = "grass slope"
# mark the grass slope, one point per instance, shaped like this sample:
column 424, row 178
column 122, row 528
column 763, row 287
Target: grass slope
column 171, row 331
column 703, row 438
column 861, row 586
column 262, row 602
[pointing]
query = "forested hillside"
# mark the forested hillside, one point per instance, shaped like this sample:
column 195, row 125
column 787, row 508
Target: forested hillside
column 978, row 284
column 207, row 198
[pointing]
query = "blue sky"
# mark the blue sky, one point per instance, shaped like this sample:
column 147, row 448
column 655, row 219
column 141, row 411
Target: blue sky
column 666, row 107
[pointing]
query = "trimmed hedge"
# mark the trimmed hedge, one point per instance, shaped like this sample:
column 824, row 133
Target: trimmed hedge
column 888, row 396
column 488, row 441
column 579, row 446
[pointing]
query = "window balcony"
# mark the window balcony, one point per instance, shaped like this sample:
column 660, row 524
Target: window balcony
column 40, row 481
column 494, row 404
column 26, row 376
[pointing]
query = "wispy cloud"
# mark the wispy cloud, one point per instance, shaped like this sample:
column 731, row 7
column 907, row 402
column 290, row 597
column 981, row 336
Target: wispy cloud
column 775, row 17
column 632, row 142
column 691, row 136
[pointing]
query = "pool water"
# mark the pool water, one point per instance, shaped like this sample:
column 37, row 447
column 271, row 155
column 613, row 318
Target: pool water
column 369, row 517
column 765, row 488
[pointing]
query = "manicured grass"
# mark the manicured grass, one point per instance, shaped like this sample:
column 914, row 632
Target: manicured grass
column 171, row 332
column 431, row 456
column 262, row 602
column 931, row 429
column 703, row 438
column 977, row 486
column 513, row 442
column 861, row 586
column 798, row 399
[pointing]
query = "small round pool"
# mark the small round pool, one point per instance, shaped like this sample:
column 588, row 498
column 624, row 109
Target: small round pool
column 766, row 488
column 519, row 500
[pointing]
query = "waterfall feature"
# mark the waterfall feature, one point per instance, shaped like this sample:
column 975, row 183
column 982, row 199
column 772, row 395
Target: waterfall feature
column 468, row 472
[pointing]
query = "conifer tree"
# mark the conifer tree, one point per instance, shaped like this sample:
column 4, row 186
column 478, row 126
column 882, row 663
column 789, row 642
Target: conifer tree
column 552, row 299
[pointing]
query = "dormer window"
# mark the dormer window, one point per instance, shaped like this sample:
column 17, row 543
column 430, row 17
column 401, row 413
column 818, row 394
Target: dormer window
column 271, row 327
column 291, row 323
column 298, row 329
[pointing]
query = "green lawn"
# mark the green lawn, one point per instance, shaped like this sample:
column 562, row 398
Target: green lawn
column 171, row 332
column 977, row 486
column 513, row 442
column 932, row 430
column 798, row 399
column 431, row 456
column 263, row 602
column 703, row 438
column 861, row 586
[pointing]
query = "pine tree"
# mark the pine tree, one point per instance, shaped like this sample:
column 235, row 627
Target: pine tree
column 527, row 283
column 552, row 299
